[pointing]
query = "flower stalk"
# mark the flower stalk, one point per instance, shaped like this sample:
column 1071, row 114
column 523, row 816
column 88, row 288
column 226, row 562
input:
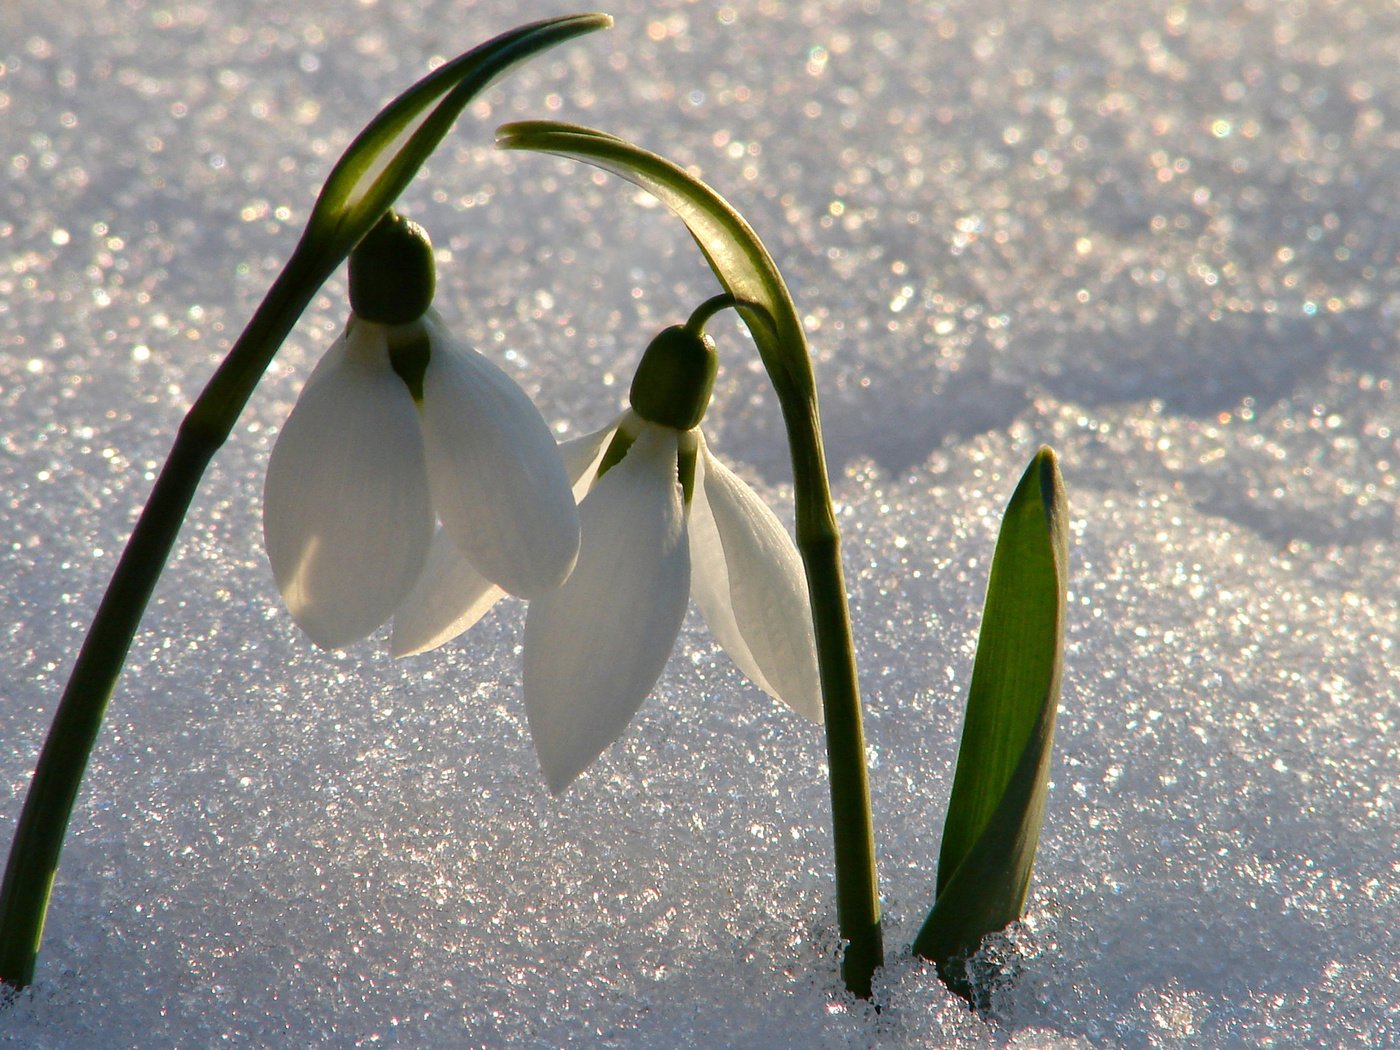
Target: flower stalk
column 747, row 271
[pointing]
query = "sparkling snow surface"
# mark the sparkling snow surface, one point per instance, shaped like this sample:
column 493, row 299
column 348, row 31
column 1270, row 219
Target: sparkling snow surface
column 1164, row 238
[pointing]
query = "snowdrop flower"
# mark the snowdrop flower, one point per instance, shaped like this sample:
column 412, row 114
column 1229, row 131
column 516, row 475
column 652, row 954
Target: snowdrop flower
column 663, row 520
column 401, row 426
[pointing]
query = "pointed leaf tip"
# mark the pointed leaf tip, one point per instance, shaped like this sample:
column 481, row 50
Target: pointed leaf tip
column 387, row 154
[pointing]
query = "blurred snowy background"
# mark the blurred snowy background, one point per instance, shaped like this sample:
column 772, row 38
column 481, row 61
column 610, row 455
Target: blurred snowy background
column 1163, row 237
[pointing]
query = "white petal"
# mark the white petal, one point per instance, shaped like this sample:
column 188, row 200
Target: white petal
column 582, row 455
column 747, row 579
column 497, row 481
column 346, row 515
column 449, row 597
column 595, row 647
column 364, row 340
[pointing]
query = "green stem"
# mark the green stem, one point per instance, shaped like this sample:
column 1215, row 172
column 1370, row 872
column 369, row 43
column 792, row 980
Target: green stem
column 33, row 863
column 747, row 271
column 702, row 314
column 819, row 543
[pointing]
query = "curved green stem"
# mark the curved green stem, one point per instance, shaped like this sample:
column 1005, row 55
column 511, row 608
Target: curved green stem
column 702, row 314
column 748, row 273
column 375, row 169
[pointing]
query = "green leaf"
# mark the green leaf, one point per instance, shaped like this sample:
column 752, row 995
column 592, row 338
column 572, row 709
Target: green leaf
column 387, row 154
column 729, row 244
column 998, row 798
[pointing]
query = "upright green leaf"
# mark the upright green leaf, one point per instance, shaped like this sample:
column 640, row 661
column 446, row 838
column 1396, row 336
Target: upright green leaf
column 748, row 272
column 998, row 798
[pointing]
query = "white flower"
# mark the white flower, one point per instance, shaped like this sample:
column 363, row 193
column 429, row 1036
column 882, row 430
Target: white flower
column 595, row 647
column 369, row 460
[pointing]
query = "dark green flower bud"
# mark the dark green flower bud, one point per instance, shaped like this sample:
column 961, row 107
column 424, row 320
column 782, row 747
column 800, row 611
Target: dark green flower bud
column 392, row 275
column 673, row 383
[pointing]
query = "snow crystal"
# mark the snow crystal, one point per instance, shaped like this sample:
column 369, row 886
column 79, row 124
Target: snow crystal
column 1163, row 237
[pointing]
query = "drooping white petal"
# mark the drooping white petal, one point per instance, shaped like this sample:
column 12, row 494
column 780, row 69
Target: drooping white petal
column 362, row 339
column 747, row 579
column 582, row 455
column 497, row 481
column 346, row 514
column 449, row 597
column 595, row 647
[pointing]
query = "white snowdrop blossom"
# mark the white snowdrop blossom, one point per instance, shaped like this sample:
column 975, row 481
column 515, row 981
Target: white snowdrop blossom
column 595, row 647
column 399, row 427
column 662, row 520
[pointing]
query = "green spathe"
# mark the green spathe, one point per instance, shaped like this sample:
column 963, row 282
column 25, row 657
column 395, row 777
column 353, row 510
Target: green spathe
column 676, row 376
column 392, row 272
column 998, row 798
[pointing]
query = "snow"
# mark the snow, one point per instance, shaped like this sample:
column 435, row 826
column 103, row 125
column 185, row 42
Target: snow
column 1163, row 237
